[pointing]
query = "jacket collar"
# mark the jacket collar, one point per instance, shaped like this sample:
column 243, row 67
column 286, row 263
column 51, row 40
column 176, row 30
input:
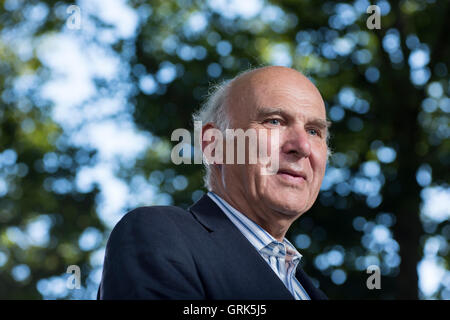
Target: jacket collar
column 209, row 214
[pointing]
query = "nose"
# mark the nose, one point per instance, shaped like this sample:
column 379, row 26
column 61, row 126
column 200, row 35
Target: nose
column 296, row 142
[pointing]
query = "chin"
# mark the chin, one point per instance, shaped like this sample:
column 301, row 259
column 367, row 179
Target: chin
column 286, row 199
column 289, row 206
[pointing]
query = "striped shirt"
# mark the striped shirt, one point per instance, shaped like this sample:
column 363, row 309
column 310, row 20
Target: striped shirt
column 282, row 257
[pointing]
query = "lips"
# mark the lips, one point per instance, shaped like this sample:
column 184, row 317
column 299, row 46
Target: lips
column 292, row 175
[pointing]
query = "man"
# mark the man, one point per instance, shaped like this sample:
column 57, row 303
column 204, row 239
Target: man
column 231, row 243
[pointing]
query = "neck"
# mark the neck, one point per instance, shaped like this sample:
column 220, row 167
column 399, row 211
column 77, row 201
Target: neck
column 275, row 223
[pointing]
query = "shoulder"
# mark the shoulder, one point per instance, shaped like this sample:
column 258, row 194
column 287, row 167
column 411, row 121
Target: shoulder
column 154, row 214
column 150, row 225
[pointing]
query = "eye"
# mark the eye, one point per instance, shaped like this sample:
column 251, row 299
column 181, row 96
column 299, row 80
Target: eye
column 313, row 132
column 274, row 122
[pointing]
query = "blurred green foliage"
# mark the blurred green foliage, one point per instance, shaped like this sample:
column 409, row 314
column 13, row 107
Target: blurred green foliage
column 387, row 93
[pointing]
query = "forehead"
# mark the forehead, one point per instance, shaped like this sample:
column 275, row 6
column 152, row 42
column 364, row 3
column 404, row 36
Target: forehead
column 288, row 90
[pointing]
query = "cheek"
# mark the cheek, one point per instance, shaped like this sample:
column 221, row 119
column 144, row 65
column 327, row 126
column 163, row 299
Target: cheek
column 269, row 140
column 259, row 185
column 245, row 177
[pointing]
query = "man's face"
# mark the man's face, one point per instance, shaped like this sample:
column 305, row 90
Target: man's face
column 284, row 100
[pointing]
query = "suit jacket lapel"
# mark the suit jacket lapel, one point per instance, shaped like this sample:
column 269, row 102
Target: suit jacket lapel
column 234, row 244
column 313, row 292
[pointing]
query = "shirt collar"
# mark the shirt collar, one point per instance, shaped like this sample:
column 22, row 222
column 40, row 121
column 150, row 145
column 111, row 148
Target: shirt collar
column 263, row 241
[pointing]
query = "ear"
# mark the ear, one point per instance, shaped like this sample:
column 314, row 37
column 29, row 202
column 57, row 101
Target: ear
column 205, row 128
column 212, row 144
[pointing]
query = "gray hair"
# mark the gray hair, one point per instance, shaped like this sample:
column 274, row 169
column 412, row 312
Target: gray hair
column 214, row 110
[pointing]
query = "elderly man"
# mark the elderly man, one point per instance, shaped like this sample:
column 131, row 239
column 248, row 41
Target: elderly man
column 231, row 243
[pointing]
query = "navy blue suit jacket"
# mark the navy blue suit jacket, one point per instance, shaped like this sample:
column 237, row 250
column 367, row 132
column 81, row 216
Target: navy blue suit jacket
column 165, row 252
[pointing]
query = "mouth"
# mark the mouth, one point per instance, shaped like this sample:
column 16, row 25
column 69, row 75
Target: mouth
column 292, row 175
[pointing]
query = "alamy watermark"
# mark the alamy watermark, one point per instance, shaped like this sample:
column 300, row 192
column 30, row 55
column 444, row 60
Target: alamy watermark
column 74, row 280
column 374, row 20
column 262, row 147
column 73, row 22
column 374, row 281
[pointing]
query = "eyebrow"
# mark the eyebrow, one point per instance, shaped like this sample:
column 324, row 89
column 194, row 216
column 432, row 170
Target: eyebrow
column 270, row 111
column 322, row 124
